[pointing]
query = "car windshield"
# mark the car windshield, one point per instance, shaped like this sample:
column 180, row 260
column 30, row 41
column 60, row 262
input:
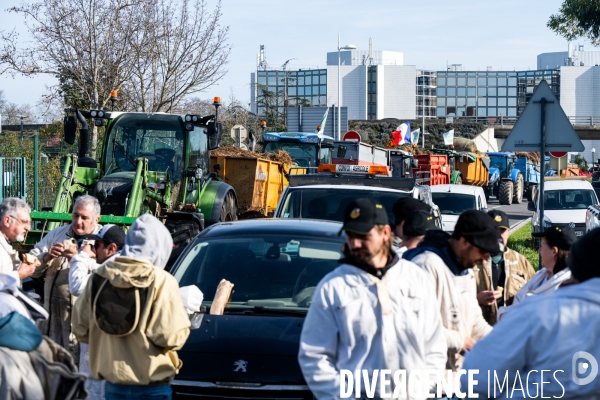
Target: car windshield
column 453, row 203
column 572, row 199
column 330, row 204
column 270, row 272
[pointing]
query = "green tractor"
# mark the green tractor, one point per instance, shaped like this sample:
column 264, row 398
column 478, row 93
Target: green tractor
column 152, row 163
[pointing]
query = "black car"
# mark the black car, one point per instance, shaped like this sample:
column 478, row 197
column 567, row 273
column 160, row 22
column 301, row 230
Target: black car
column 251, row 351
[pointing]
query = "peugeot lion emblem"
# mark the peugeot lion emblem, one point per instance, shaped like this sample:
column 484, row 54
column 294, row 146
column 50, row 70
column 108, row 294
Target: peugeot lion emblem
column 571, row 225
column 240, row 366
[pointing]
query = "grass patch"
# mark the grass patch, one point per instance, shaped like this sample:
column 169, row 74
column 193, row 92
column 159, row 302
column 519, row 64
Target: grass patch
column 522, row 242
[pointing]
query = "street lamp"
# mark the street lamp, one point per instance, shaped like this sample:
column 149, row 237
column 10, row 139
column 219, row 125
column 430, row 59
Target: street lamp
column 593, row 158
column 347, row 47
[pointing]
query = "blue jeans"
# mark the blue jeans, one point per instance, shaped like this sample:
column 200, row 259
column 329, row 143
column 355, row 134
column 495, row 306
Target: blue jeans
column 114, row 391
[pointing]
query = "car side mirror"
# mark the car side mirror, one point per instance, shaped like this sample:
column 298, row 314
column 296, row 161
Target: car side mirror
column 69, row 129
column 214, row 132
column 531, row 206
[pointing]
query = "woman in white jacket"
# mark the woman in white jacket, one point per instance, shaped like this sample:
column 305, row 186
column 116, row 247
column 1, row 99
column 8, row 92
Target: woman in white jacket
column 554, row 249
column 374, row 312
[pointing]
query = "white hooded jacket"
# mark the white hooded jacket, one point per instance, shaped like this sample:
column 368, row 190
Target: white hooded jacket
column 544, row 333
column 359, row 322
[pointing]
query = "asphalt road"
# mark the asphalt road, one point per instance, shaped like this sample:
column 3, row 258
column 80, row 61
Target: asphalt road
column 516, row 212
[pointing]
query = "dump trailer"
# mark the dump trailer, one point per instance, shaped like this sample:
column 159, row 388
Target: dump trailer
column 433, row 167
column 466, row 167
column 307, row 150
column 153, row 163
column 258, row 183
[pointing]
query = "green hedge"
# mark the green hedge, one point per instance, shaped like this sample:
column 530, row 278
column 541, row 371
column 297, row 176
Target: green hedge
column 522, row 242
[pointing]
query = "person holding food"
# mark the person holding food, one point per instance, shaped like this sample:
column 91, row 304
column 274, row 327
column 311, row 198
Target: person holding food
column 14, row 225
column 54, row 253
column 501, row 277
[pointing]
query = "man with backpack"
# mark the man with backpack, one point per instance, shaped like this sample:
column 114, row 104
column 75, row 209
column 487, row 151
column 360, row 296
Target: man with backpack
column 132, row 317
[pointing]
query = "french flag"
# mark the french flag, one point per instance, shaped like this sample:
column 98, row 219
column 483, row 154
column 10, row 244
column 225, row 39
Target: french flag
column 401, row 134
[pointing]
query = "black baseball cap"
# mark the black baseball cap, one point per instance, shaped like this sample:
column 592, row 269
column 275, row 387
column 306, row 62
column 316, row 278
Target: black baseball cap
column 479, row 229
column 561, row 237
column 583, row 260
column 417, row 223
column 500, row 219
column 362, row 215
column 110, row 234
column 405, row 206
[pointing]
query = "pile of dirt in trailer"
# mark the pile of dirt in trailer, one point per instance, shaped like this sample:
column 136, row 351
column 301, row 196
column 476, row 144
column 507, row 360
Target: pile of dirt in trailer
column 415, row 150
column 233, row 151
column 533, row 157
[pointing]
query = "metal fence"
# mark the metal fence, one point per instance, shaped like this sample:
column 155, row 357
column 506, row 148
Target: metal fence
column 13, row 180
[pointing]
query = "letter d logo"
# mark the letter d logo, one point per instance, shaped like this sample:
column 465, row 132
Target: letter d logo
column 582, row 367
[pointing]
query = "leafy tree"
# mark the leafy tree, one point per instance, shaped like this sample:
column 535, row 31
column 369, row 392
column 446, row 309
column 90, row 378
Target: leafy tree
column 576, row 19
column 581, row 162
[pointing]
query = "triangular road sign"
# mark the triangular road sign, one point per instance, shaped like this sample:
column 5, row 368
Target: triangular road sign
column 526, row 135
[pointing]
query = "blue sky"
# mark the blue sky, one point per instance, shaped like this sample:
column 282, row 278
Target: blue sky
column 505, row 34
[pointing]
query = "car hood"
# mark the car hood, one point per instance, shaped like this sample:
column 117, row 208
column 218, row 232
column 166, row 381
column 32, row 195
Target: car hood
column 449, row 221
column 243, row 348
column 566, row 216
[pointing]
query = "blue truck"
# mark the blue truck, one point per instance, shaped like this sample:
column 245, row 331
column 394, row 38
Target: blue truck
column 307, row 150
column 512, row 177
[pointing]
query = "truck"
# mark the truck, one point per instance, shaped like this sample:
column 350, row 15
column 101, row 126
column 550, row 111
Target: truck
column 154, row 163
column 511, row 178
column 307, row 150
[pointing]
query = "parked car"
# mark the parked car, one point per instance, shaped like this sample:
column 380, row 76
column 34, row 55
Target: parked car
column 328, row 201
column 452, row 200
column 566, row 201
column 251, row 351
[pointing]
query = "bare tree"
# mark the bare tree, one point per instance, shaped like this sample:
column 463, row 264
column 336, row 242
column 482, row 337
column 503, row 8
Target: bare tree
column 187, row 55
column 82, row 42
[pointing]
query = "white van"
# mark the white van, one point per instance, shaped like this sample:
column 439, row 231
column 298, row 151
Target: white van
column 565, row 204
column 454, row 199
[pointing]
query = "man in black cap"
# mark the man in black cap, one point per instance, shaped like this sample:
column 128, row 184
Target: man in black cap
column 402, row 208
column 373, row 312
column 558, row 332
column 96, row 250
column 449, row 261
column 414, row 228
column 503, row 275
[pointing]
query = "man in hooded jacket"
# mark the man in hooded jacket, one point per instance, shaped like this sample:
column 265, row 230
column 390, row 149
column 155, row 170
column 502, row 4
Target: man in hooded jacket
column 373, row 312
column 448, row 261
column 547, row 346
column 132, row 316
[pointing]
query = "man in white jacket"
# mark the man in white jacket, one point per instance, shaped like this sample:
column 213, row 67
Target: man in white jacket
column 374, row 312
column 14, row 225
column 448, row 261
column 548, row 346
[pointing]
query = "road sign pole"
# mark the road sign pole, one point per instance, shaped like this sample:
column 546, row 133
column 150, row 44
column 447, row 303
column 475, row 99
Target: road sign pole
column 542, row 163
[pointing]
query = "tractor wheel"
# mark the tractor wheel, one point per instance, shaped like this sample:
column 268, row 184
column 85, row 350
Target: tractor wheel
column 182, row 232
column 505, row 193
column 530, row 192
column 518, row 193
column 229, row 209
column 458, row 180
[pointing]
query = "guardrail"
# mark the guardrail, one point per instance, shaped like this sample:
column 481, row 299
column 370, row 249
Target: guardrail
column 589, row 120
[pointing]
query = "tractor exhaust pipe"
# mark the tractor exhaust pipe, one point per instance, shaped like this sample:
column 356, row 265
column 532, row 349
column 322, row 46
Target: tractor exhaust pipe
column 84, row 136
column 83, row 155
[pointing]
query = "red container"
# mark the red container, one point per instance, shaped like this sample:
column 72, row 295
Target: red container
column 433, row 166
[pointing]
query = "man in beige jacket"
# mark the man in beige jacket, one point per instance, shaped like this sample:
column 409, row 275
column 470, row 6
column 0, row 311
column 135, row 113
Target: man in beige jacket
column 132, row 316
column 502, row 276
column 54, row 269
